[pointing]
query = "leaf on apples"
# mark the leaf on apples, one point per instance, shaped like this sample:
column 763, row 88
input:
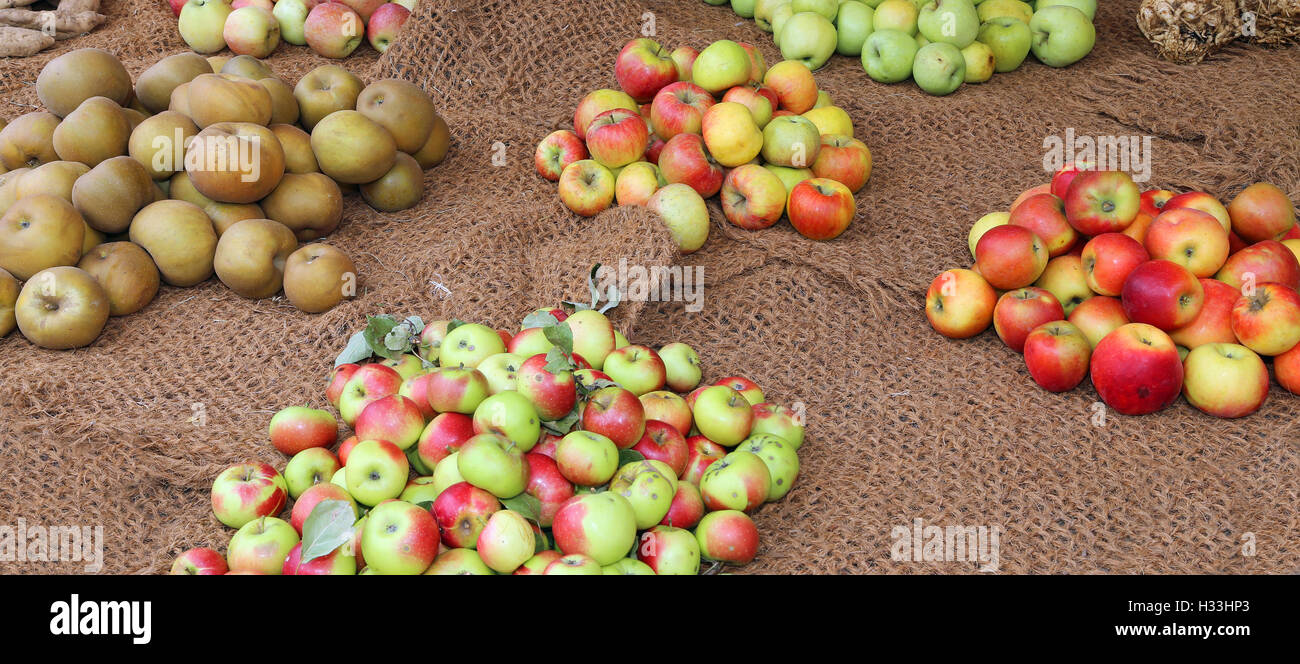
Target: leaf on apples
column 557, row 361
column 614, row 298
column 426, row 505
column 584, row 389
column 416, row 323
column 540, row 542
column 713, row 569
column 377, row 329
column 629, row 456
column 525, row 504
column 560, row 335
column 357, row 350
column 328, row 527
column 540, row 319
column 453, row 324
column 564, row 424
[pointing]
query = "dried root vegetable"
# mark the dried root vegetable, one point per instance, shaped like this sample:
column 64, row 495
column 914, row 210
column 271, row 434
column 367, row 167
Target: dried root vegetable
column 21, row 42
column 1186, row 31
column 7, row 4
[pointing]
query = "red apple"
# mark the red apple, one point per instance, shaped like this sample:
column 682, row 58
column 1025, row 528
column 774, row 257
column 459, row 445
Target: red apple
column 462, row 510
column 1010, row 257
column 1108, row 259
column 687, row 507
column 369, row 383
column 753, row 197
column 345, row 449
column 553, row 394
column 297, row 428
column 1162, row 293
column 679, row 109
column 1057, row 355
column 312, row 497
column 820, row 208
column 702, row 452
column 1136, row 369
column 663, row 442
column 1020, row 311
column 667, row 407
column 1138, row 229
column 1286, row 367
column 202, row 561
column 598, row 102
column 643, row 68
column 1198, row 200
column 1190, row 238
column 556, row 151
column 444, row 435
column 1267, row 261
column 686, row 160
column 1044, row 214
column 1098, row 316
column 617, row 138
column 728, row 536
column 959, row 304
column 393, row 418
column 1268, row 320
column 547, row 485
column 1152, row 201
column 654, row 148
column 1214, row 323
column 845, row 160
column 1030, row 192
column 1101, row 202
column 1065, row 175
column 615, row 413
column 338, row 378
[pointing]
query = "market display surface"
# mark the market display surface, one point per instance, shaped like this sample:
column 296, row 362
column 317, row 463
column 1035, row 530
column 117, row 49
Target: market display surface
column 902, row 424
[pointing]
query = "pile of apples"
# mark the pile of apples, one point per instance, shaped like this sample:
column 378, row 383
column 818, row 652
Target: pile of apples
column 1151, row 293
column 940, row 44
column 688, row 125
column 465, row 460
column 116, row 187
column 256, row 27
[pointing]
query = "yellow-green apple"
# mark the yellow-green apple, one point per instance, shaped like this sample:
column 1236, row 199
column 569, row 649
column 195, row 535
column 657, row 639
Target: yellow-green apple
column 469, row 344
column 1225, row 380
column 419, row 489
column 949, row 21
column 598, row 102
column 399, row 538
column 1261, row 212
column 721, row 65
column 338, row 378
column 40, row 232
column 959, row 304
column 760, row 106
column 939, row 68
column 538, row 563
column 352, row 148
column 1266, row 261
column 312, row 466
column 686, row 160
column 617, row 137
column 251, row 30
column 1063, row 35
column 1057, row 354
column 1108, row 259
column 637, row 182
column 729, row 536
column 601, row 526
column 247, row 491
column 1267, row 321
column 853, row 24
column 393, row 418
column 500, row 370
column 684, row 213
column 648, row 489
column 333, row 29
column 752, row 197
column 1097, row 317
column 636, row 368
column 791, row 141
column 679, row 109
column 200, row 561
column 548, row 485
column 723, row 415
column 684, row 60
column 1199, row 200
column 779, row 421
column 702, row 452
column 739, row 481
column 1136, row 369
column 981, row 62
column 506, row 542
column 298, row 428
column 61, row 307
column 809, row 41
column 669, row 550
column 732, row 136
column 1101, row 202
column 586, row 458
column 593, row 336
column 384, row 25
column 668, row 408
column 312, row 496
column 510, row 415
column 587, row 187
column 1019, row 311
column 643, row 68
column 292, row 15
column 458, row 562
column 663, row 442
column 615, row 413
column 983, row 224
column 369, row 383
column 843, row 159
column 201, row 23
column 323, row 91
column 820, row 208
column 376, row 470
column 681, row 365
column 1153, row 201
column 746, row 387
column 831, row 120
column 1162, row 293
column 456, row 390
column 1066, row 279
column 462, row 511
column 1008, row 37
column 335, row 563
column 1214, row 322
column 493, row 463
column 407, row 365
column 559, row 149
column 1044, row 214
column 1190, row 238
column 261, row 546
column 781, row 460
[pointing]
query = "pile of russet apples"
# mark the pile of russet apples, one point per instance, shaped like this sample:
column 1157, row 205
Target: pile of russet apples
column 1151, row 293
column 688, row 125
column 940, row 44
column 256, row 27
column 116, row 188
column 463, row 462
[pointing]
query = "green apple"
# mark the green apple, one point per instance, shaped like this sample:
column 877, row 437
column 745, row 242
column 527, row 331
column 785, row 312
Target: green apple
column 512, row 416
column 824, row 97
column 939, row 68
column 809, row 38
column 586, row 458
column 420, row 490
column 201, row 24
column 720, row 66
column 780, row 16
column 763, row 13
column 949, row 22
column 593, row 334
column 292, row 15
column 888, row 54
column 897, row 15
column 852, row 26
column 1088, row 7
column 921, row 41
column 687, row 217
column 494, row 464
column 628, row 567
column 715, row 3
column 681, row 365
column 308, row 468
column 743, row 8
column 790, row 176
column 500, row 370
column 792, row 141
column 599, row 525
column 446, row 473
column 991, row 9
column 670, row 551
column 1009, row 38
column 340, row 478
column 468, row 345
column 738, row 481
column 376, row 471
column 780, row 458
column 983, row 225
column 399, row 538
column 827, row 8
column 459, row 562
column 1062, row 35
column 980, row 62
column 647, row 489
column 261, row 545
column 723, row 415
column 507, row 541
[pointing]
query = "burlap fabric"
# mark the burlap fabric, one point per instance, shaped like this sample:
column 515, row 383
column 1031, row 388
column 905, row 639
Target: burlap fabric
column 902, row 423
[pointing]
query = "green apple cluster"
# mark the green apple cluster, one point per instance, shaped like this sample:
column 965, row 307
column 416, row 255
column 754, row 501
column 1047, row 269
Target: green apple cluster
column 561, row 448
column 256, row 27
column 940, row 44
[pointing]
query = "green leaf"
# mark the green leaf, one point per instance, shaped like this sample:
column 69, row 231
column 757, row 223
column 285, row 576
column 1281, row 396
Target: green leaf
column 377, row 328
column 453, row 324
column 577, row 306
column 416, row 323
column 426, row 505
column 564, row 424
column 585, row 389
column 540, row 542
column 399, row 340
column 614, row 298
column 629, row 456
column 526, row 505
column 591, row 286
column 557, row 361
column 327, row 528
column 356, row 351
column 539, row 319
column 560, row 335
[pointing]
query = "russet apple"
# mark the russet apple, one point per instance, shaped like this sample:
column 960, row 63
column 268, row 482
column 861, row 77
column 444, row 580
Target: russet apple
column 296, row 143
column 1136, row 369
column 61, row 307
column 310, row 204
column 179, row 237
column 127, row 274
column 251, row 256
column 28, row 141
column 55, row 178
column 439, row 143
column 9, row 289
column 284, row 107
column 110, row 194
column 235, row 162
column 95, row 131
column 160, row 141
column 402, row 108
column 40, row 232
column 352, row 148
column 402, row 187
column 1010, row 257
column 68, row 80
column 319, row 276
column 216, row 98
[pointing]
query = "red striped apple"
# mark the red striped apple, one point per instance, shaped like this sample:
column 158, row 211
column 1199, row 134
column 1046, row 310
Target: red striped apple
column 669, row 408
column 586, row 187
column 384, row 24
column 1136, row 369
column 462, row 510
column 369, row 383
column 686, row 160
column 1057, row 355
column 1225, row 380
column 1098, row 316
column 1044, row 214
column 820, row 208
column 555, row 152
column 1101, row 202
column 1162, row 293
column 637, row 182
column 617, row 137
column 795, row 87
column 753, row 197
column 1108, row 259
column 1266, row 261
column 454, row 390
column 727, row 536
column 746, row 387
column 400, row 538
column 1190, row 238
column 443, row 436
column 684, row 58
column 1010, row 257
column 679, row 109
column 598, row 102
column 643, row 68
column 297, row 428
column 1268, row 320
column 393, row 418
column 760, row 106
column 1214, row 322
column 1198, row 200
column 1020, row 311
column 334, row 30
column 843, row 159
column 959, row 304
column 247, row 491
column 1261, row 212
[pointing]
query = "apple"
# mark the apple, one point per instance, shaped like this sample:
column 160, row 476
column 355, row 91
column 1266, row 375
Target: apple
column 730, row 133
column 252, row 30
column 200, row 561
column 345, row 448
column 400, row 538
column 1261, row 212
column 493, row 463
column 686, row 160
column 1266, row 261
column 559, row 149
column 587, row 187
column 1020, row 311
column 820, row 208
column 648, row 489
column 669, row 550
column 721, row 65
column 247, row 491
column 1162, row 293
column 615, row 413
column 599, row 525
column 1010, row 257
column 586, row 458
column 506, row 542
column 1225, row 380
column 548, row 485
column 679, row 109
column 292, row 17
column 1062, row 35
column 1066, row 279
column 1009, row 38
column 983, row 224
column 297, row 428
column 376, row 470
column 760, row 106
column 1097, row 317
column 305, row 503
column 1214, row 322
column 334, row 563
column 1136, row 369
column 888, row 54
column 384, row 25
column 1044, row 214
column 702, row 452
column 809, row 39
column 617, row 138
column 312, row 466
column 368, row 383
column 791, row 141
column 794, row 85
column 202, row 22
column 261, row 545
column 538, row 563
column 637, row 182
column 636, row 368
column 949, row 21
column 853, row 24
column 643, row 68
column 1101, row 202
column 394, row 418
column 843, row 159
column 1045, row 188
column 462, row 511
column 1190, row 238
column 333, row 29
column 443, row 436
column 575, row 565
column 668, row 408
column 684, row 59
column 552, row 394
column 1057, row 354
column 459, row 562
column 728, row 536
column 509, row 415
column 1153, row 201
column 1202, row 201
column 1108, row 259
column 597, row 102
column 1268, row 320
column 723, row 415
column 684, row 213
column 467, row 345
column 1286, row 368
column 781, row 460
column 663, row 442
column 939, row 68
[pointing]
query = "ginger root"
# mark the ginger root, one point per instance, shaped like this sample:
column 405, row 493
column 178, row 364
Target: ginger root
column 21, row 42
column 62, row 23
column 1186, row 31
column 77, row 6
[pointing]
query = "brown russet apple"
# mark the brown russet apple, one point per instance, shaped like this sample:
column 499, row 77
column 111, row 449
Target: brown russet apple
column 54, row 178
column 324, row 90
column 400, row 188
column 318, row 276
column 298, row 157
column 179, row 237
column 310, row 204
column 90, row 239
column 251, row 256
column 235, row 162
column 352, row 148
column 9, row 188
column 181, row 188
column 153, row 88
column 218, row 61
column 180, row 101
column 96, row 131
column 284, row 107
column 109, row 195
column 133, row 117
column 402, row 108
column 435, row 149
column 225, row 215
column 28, row 141
column 61, row 307
column 159, row 143
column 246, row 66
column 217, row 98
column 78, row 75
column 8, row 297
column 126, row 273
column 40, row 232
